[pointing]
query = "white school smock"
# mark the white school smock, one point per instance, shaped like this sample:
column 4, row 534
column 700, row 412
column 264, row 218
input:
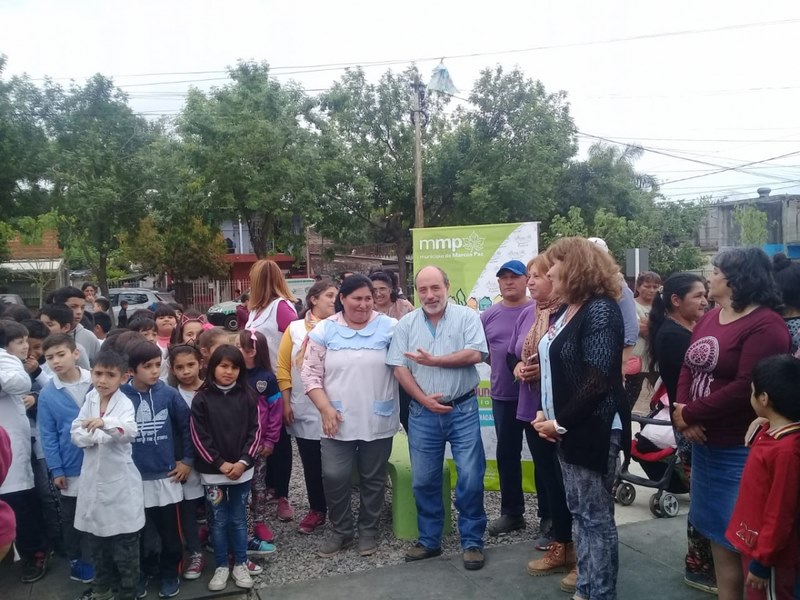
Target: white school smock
column 307, row 420
column 266, row 322
column 110, row 496
column 15, row 383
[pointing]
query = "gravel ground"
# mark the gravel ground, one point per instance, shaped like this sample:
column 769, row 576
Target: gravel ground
column 296, row 558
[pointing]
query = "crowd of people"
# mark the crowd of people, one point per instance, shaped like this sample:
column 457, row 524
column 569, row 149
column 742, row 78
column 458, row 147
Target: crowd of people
column 128, row 449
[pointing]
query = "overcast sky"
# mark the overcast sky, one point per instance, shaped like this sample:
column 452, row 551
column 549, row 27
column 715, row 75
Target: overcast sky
column 727, row 97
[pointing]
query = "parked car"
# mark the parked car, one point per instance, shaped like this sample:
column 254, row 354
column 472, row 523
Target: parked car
column 137, row 298
column 223, row 315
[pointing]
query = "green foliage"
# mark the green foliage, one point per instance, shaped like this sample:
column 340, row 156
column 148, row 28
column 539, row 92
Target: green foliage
column 752, row 225
column 186, row 251
column 97, row 168
column 254, row 149
column 504, row 158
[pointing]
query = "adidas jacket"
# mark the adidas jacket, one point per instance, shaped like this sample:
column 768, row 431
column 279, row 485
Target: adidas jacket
column 162, row 421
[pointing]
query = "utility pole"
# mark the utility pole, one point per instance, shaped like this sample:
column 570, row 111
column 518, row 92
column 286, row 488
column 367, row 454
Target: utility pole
column 418, row 92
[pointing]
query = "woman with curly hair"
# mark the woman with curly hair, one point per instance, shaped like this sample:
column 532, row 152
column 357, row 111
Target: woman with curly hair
column 583, row 404
column 713, row 409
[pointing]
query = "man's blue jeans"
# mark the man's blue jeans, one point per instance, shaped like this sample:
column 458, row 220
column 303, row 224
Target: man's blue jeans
column 229, row 524
column 427, row 435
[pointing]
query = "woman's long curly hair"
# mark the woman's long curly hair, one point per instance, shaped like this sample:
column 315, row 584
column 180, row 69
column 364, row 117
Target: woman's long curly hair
column 750, row 277
column 587, row 270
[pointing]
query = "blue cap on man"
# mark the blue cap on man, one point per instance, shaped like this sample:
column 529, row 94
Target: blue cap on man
column 513, row 266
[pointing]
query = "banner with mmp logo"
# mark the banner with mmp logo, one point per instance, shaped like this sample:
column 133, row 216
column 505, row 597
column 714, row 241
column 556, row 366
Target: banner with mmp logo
column 471, row 256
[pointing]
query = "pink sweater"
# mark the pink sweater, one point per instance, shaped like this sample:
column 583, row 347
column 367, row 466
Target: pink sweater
column 8, row 524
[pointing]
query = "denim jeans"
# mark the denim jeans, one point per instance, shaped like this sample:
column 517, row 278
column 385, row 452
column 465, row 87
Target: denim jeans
column 427, row 435
column 229, row 525
column 593, row 528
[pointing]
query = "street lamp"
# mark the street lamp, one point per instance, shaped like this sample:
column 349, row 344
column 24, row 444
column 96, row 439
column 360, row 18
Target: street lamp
column 440, row 82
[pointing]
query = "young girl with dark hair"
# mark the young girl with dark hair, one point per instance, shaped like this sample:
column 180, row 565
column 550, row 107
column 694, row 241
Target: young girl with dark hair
column 675, row 311
column 270, row 410
column 226, row 432
column 184, row 361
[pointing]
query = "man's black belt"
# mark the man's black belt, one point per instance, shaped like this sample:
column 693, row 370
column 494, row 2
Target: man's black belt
column 460, row 399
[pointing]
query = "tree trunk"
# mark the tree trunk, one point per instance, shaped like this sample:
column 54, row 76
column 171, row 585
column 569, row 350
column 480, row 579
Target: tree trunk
column 261, row 229
column 102, row 274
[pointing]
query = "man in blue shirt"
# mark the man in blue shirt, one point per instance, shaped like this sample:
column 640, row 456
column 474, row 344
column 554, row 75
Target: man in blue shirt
column 434, row 351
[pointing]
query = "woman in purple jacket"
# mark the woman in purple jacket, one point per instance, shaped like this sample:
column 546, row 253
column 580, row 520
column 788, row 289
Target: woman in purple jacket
column 556, row 520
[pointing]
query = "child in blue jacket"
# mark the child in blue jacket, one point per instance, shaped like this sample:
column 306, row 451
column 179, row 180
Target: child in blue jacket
column 162, row 419
column 60, row 401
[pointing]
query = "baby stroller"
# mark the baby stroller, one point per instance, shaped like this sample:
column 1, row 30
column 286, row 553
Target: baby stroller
column 655, row 449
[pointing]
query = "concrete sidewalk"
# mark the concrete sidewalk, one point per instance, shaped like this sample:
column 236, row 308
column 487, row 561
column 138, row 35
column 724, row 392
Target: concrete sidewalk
column 651, row 566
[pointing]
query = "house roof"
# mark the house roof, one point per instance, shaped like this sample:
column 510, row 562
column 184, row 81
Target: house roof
column 47, row 248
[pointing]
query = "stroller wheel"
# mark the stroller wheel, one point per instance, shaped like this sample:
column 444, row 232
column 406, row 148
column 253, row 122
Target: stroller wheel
column 655, row 505
column 669, row 505
column 626, row 494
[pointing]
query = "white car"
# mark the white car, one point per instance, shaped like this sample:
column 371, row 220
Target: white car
column 137, row 298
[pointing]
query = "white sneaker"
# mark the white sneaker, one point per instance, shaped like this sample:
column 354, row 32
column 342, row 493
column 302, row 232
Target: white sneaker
column 254, row 568
column 241, row 576
column 220, row 579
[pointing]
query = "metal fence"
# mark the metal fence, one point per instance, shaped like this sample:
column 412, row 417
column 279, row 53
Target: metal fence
column 204, row 293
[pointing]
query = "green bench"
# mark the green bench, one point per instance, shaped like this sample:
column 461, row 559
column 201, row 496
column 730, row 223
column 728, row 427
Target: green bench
column 404, row 507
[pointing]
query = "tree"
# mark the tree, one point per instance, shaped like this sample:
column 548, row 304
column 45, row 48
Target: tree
column 97, row 168
column 370, row 124
column 23, row 148
column 188, row 250
column 607, row 179
column 505, row 156
column 30, row 231
column 253, row 146
column 752, row 225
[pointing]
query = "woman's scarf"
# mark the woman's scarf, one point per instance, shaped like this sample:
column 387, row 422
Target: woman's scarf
column 311, row 322
column 540, row 326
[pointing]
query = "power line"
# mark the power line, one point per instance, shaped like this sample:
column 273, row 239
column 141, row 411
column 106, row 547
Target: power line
column 316, row 68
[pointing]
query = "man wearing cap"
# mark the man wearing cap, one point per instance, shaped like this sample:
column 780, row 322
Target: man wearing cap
column 498, row 325
column 434, row 351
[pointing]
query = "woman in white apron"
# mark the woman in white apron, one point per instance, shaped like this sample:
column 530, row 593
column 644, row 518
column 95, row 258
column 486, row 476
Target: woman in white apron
column 300, row 416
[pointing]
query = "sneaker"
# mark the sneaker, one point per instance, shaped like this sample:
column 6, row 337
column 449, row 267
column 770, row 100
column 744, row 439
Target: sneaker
column 333, row 544
column 473, row 559
column 195, row 568
column 701, row 581
column 311, row 522
column 285, row 510
column 241, row 577
column 81, row 571
column 220, row 579
column 34, row 567
column 367, row 545
column 569, row 583
column 420, row 552
column 255, row 547
column 169, row 588
column 141, row 587
column 253, row 568
column 560, row 558
column 95, row 595
column 263, row 532
column 506, row 524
